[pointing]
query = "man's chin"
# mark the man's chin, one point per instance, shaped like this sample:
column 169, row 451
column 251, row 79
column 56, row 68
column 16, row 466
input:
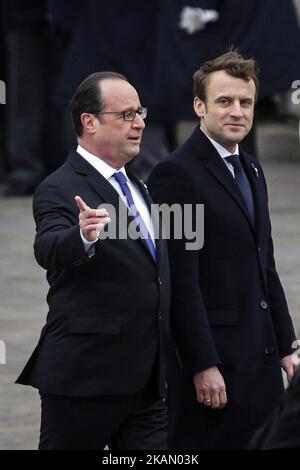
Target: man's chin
column 235, row 138
column 134, row 151
column 238, row 133
column 132, row 154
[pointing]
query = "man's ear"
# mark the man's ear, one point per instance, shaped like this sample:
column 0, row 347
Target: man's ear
column 199, row 107
column 88, row 122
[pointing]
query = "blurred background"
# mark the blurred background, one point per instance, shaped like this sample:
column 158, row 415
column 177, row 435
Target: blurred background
column 47, row 47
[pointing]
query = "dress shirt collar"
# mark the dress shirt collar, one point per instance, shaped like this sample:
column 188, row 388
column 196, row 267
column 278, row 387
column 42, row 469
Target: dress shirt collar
column 100, row 165
column 222, row 151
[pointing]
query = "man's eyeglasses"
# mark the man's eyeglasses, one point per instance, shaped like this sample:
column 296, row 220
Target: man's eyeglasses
column 128, row 115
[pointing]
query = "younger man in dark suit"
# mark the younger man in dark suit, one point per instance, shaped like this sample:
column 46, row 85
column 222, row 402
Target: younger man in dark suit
column 99, row 364
column 230, row 319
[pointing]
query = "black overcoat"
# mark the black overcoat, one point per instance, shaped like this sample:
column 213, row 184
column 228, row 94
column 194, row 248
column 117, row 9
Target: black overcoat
column 228, row 306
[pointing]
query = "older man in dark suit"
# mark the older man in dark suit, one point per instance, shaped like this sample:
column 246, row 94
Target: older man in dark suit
column 230, row 318
column 99, row 364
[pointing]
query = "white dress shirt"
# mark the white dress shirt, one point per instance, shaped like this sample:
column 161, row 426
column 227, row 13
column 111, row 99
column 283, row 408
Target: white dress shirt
column 223, row 152
column 107, row 172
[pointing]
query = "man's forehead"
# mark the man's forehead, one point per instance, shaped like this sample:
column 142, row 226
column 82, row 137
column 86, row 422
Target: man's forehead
column 113, row 87
column 117, row 90
column 220, row 82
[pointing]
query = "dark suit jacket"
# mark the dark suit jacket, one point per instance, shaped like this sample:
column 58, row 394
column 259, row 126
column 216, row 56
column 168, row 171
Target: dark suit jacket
column 228, row 306
column 108, row 315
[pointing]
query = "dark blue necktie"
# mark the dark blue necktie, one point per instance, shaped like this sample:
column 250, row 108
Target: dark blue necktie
column 121, row 179
column 243, row 184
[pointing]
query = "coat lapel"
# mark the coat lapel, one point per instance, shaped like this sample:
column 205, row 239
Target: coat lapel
column 255, row 179
column 219, row 170
column 203, row 148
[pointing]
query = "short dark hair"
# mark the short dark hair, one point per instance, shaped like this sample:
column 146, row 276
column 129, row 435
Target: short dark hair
column 87, row 98
column 232, row 63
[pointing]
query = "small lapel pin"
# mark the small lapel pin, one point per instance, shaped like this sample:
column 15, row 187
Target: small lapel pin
column 145, row 186
column 255, row 170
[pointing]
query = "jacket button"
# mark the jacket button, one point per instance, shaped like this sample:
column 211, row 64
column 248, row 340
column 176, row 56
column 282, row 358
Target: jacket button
column 269, row 350
column 159, row 316
column 258, row 249
column 264, row 304
column 159, row 281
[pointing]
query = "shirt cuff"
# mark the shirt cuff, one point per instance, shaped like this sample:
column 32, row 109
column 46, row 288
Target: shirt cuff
column 89, row 246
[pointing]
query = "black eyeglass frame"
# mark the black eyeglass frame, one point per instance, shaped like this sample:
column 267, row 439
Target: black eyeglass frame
column 142, row 112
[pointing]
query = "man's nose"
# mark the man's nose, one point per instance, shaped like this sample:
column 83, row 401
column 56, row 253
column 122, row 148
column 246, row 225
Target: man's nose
column 236, row 109
column 138, row 122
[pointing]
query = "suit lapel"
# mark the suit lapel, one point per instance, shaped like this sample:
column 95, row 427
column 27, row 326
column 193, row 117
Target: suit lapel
column 152, row 209
column 107, row 192
column 99, row 184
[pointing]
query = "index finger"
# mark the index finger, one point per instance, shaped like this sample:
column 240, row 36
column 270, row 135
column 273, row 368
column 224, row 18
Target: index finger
column 82, row 206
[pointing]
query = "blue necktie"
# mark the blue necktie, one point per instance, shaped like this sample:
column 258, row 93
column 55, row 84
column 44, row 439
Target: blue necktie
column 243, row 184
column 121, row 179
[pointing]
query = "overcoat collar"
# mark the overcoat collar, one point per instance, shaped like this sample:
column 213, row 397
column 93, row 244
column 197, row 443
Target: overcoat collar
column 214, row 164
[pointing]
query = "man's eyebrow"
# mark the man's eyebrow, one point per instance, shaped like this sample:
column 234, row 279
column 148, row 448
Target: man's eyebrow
column 130, row 108
column 223, row 97
column 226, row 97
